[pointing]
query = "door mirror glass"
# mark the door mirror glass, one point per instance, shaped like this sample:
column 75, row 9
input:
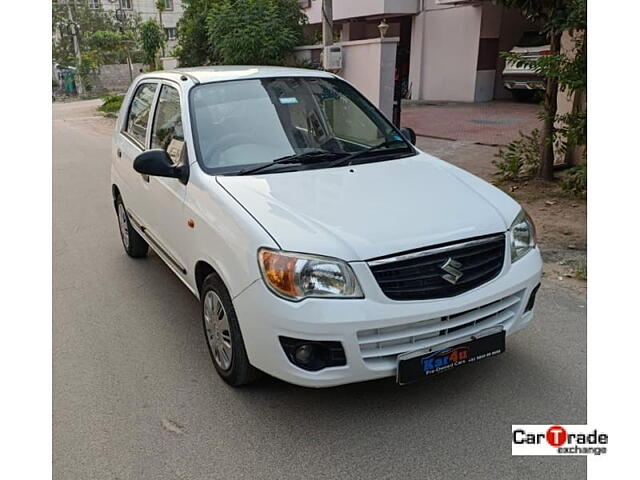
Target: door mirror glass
column 409, row 134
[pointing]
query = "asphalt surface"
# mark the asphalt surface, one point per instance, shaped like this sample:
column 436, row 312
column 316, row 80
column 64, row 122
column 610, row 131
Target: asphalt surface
column 136, row 395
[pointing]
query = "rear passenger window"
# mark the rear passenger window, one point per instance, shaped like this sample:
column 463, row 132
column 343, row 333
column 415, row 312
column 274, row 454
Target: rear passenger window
column 167, row 124
column 139, row 111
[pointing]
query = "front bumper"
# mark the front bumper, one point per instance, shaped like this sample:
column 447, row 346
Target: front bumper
column 375, row 329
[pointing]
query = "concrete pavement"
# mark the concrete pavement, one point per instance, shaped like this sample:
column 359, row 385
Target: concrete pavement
column 488, row 123
column 136, row 395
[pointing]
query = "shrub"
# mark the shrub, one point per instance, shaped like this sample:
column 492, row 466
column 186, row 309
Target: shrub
column 89, row 65
column 575, row 183
column 111, row 103
column 254, row 32
column 520, row 160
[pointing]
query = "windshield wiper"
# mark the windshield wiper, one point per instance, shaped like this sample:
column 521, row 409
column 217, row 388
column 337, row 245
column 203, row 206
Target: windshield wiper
column 349, row 158
column 304, row 157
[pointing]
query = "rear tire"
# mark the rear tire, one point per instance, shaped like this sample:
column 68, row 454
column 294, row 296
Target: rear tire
column 223, row 335
column 133, row 243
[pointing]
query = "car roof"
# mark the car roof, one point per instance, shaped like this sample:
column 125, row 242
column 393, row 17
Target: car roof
column 220, row 73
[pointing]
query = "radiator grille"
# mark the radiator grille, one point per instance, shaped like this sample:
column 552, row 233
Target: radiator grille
column 420, row 275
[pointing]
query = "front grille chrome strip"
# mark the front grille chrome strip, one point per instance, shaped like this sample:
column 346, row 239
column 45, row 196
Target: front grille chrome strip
column 380, row 346
column 394, row 350
column 435, row 251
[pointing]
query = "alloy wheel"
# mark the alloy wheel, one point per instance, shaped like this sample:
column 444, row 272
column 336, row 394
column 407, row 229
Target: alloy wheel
column 217, row 330
column 124, row 225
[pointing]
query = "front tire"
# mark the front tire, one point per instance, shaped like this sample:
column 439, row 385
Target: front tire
column 133, row 243
column 223, row 335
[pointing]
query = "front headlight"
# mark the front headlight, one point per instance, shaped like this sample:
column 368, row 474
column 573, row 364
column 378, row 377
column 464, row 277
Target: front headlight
column 296, row 276
column 523, row 236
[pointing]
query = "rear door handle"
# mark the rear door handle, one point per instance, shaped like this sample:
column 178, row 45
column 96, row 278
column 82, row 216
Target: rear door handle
column 119, row 153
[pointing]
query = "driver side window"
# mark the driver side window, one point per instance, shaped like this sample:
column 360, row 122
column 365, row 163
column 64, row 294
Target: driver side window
column 167, row 132
column 139, row 112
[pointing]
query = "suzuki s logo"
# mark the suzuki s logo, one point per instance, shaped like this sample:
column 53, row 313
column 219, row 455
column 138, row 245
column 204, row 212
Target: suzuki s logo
column 452, row 267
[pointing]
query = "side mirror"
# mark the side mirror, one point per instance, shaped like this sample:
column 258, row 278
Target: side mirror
column 157, row 163
column 409, row 134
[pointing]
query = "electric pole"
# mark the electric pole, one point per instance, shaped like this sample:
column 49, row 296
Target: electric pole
column 76, row 48
column 327, row 30
column 327, row 23
column 121, row 17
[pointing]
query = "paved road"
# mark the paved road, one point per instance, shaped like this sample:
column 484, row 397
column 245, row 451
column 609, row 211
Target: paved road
column 135, row 395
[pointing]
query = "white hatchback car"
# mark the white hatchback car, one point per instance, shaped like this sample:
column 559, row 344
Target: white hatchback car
column 323, row 246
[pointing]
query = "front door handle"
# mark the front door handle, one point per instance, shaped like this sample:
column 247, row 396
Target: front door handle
column 119, row 153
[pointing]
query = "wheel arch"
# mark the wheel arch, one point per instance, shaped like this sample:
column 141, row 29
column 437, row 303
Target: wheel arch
column 115, row 192
column 202, row 270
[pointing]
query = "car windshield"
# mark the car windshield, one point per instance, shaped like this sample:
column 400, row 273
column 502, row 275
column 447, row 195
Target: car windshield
column 245, row 123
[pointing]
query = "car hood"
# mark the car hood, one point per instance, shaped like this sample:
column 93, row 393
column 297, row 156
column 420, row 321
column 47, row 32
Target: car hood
column 375, row 209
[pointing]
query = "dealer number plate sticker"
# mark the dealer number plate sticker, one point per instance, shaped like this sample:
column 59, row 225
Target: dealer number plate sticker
column 414, row 366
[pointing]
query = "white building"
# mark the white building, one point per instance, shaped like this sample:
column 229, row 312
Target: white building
column 147, row 9
column 447, row 50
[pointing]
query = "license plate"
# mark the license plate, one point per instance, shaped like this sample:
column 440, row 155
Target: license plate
column 414, row 366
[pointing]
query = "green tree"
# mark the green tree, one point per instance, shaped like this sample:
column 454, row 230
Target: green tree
column 87, row 20
column 151, row 39
column 101, row 37
column 554, row 17
column 112, row 47
column 192, row 49
column 161, row 6
column 108, row 47
column 571, row 70
column 254, row 31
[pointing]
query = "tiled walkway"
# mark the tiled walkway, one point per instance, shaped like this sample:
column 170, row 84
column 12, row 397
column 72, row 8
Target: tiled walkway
column 491, row 123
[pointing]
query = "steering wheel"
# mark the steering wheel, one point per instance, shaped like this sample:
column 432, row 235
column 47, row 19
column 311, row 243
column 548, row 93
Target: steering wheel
column 223, row 144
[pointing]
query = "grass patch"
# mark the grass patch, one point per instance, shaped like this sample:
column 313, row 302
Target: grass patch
column 111, row 103
column 581, row 271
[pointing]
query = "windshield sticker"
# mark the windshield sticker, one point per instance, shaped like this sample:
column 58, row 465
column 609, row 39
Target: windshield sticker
column 288, row 100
